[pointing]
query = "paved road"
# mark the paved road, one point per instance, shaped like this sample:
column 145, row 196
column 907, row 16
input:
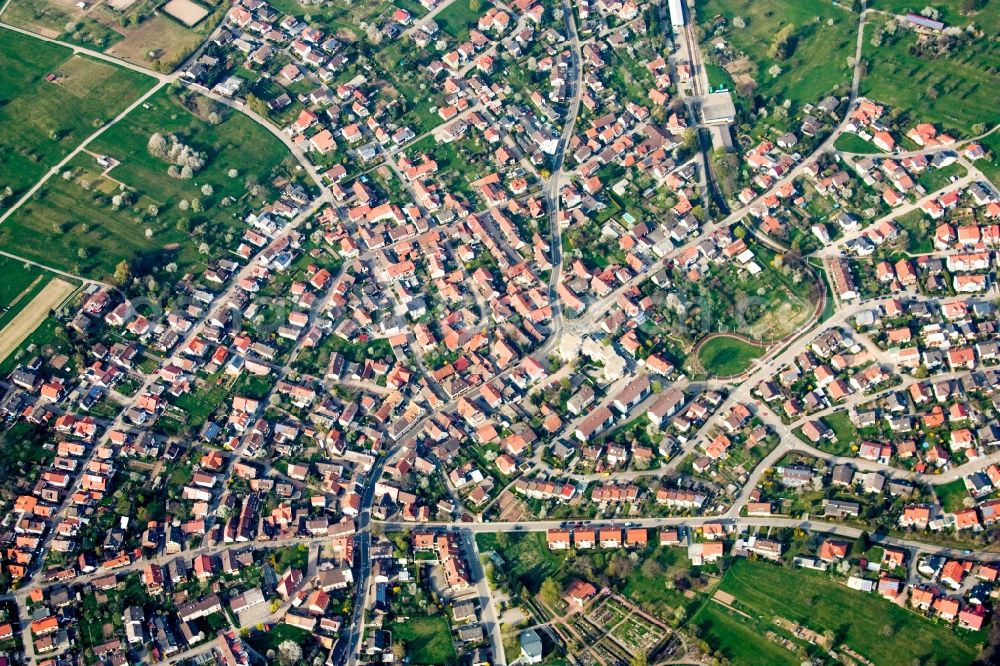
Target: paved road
column 818, row 526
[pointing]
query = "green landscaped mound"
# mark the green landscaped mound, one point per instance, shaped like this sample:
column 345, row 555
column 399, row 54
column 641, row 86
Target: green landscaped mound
column 724, row 356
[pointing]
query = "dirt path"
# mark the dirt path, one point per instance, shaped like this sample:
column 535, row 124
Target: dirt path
column 33, row 314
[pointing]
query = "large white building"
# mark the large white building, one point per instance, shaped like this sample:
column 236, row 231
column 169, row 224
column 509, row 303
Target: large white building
column 676, row 13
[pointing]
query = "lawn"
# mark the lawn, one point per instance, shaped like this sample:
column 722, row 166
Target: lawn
column 919, row 236
column 843, row 429
column 44, row 120
column 857, row 620
column 294, row 557
column 725, row 356
column 427, row 640
column 824, row 36
column 95, row 236
column 852, row 143
column 955, row 91
column 933, row 179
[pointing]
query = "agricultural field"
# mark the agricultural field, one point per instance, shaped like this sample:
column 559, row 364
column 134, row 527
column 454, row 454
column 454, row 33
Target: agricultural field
column 28, row 313
column 765, row 591
column 96, row 235
column 956, row 90
column 45, row 118
column 822, row 37
column 21, row 282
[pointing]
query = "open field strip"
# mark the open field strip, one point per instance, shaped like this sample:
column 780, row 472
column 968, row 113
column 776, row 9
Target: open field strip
column 12, row 335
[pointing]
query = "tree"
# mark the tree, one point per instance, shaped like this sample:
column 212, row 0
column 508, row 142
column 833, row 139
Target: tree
column 783, row 44
column 550, row 592
column 865, row 542
column 123, row 273
column 157, row 146
column 289, row 653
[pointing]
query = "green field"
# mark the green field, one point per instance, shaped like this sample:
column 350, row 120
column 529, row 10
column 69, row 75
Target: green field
column 955, row 91
column 855, row 619
column 933, row 179
column 42, row 120
column 18, row 277
column 725, row 356
column 427, row 640
column 456, row 18
column 818, row 64
column 990, row 166
column 738, row 640
column 95, row 237
column 36, row 281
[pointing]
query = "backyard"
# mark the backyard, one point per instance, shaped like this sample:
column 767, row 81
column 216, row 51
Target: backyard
column 427, row 640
